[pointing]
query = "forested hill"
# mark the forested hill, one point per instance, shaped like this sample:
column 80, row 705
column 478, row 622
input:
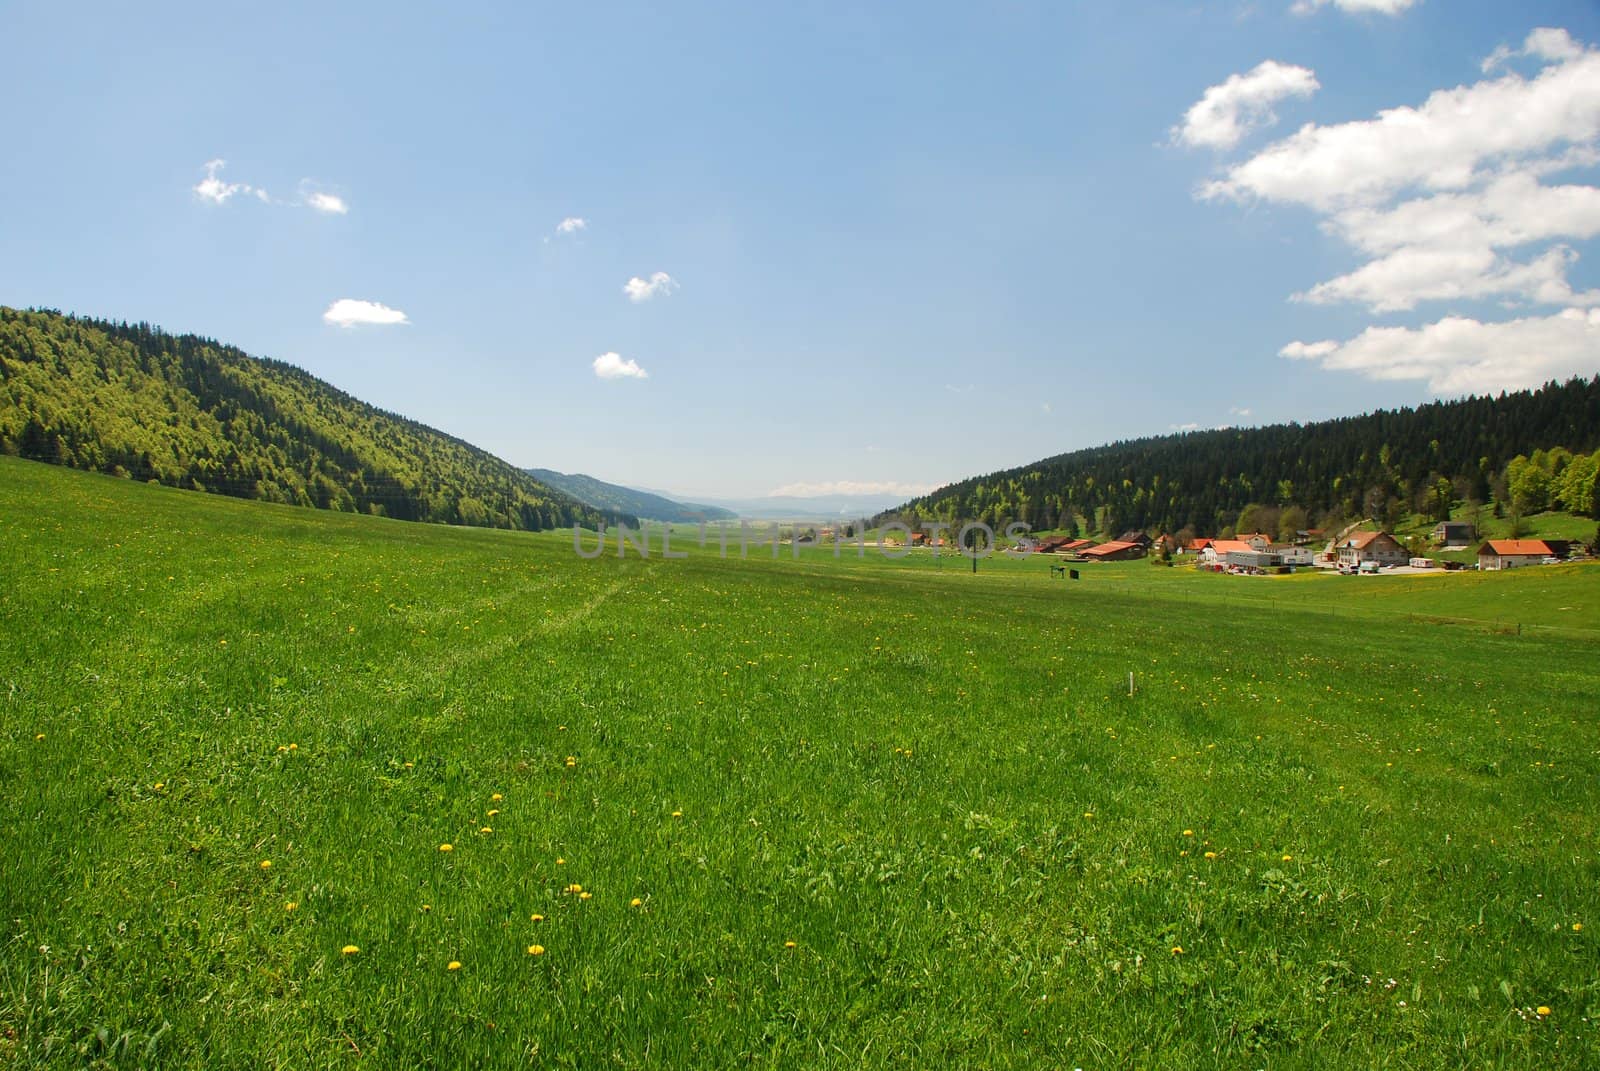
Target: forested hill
column 602, row 495
column 131, row 400
column 1379, row 465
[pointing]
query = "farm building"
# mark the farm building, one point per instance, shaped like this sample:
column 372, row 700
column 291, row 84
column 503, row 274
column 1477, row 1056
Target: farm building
column 1293, row 554
column 1063, row 544
column 1452, row 534
column 1252, row 558
column 1381, row 547
column 1114, row 551
column 1199, row 545
column 1217, row 550
column 1133, row 535
column 1512, row 553
column 1258, row 540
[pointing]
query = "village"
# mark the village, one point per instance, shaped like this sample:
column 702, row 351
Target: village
column 1358, row 550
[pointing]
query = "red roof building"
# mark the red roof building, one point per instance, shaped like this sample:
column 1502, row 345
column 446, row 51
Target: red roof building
column 1512, row 553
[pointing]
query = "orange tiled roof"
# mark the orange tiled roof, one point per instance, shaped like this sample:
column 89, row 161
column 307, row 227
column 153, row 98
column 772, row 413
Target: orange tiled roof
column 1507, row 547
column 1223, row 546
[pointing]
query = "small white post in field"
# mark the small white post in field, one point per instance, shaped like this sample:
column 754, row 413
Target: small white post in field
column 1130, row 682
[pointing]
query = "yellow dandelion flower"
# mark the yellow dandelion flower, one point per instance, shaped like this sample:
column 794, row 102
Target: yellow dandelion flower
column 486, row 829
column 1211, row 855
column 1177, row 950
column 1088, row 814
column 426, row 908
column 282, row 750
column 574, row 888
column 493, row 811
column 266, row 864
column 1542, row 1010
column 294, row 747
column 447, row 847
column 1577, row 927
column 789, row 944
column 497, row 797
column 1288, row 859
column 635, row 902
column 560, row 861
column 453, row 965
column 1188, row 832
column 677, row 814
column 291, row 906
column 159, row 785
column 584, row 895
column 1184, row 852
column 349, row 950
column 536, row 950
column 38, row 736
column 536, row 917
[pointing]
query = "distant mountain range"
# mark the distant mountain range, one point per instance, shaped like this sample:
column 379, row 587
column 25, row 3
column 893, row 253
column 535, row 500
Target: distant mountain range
column 131, row 400
column 803, row 508
column 644, row 504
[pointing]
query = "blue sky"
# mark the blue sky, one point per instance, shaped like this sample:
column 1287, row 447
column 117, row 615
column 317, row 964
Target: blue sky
column 897, row 246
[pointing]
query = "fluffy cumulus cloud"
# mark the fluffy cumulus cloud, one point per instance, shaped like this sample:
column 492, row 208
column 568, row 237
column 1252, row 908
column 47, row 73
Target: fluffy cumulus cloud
column 659, row 284
column 1354, row 7
column 612, row 366
column 1457, row 200
column 1457, row 355
column 572, row 225
column 1225, row 113
column 1453, row 141
column 351, row 312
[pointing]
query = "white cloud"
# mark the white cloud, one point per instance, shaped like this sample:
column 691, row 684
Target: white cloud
column 1545, row 42
column 1459, row 356
column 1191, row 426
column 612, row 366
column 852, row 487
column 1399, row 281
column 660, row 284
column 349, row 312
column 1451, row 201
column 327, row 202
column 572, row 225
column 1355, row 7
column 1442, row 145
column 1225, row 113
column 1238, row 412
column 213, row 189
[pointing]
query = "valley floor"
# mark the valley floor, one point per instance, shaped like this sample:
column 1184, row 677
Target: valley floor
column 796, row 813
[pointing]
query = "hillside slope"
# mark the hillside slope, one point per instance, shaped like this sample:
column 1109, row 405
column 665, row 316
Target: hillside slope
column 603, row 495
column 1381, row 464
column 134, row 401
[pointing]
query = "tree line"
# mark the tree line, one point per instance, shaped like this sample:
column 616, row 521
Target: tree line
column 1516, row 453
column 131, row 400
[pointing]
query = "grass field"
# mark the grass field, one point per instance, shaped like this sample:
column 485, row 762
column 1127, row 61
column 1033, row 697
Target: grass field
column 823, row 813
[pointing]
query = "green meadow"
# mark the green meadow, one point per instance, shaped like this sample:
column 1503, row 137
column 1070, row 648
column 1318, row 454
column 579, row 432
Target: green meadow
column 814, row 813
